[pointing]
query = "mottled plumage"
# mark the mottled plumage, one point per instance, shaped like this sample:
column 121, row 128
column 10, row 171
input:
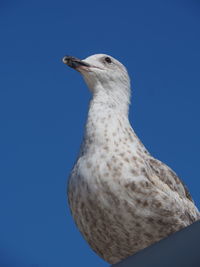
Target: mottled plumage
column 121, row 198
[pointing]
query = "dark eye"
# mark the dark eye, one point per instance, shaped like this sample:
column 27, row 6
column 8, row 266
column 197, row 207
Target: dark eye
column 108, row 60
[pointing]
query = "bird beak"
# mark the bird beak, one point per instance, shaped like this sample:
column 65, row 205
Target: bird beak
column 75, row 63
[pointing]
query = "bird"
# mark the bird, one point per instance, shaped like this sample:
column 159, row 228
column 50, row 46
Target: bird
column 122, row 199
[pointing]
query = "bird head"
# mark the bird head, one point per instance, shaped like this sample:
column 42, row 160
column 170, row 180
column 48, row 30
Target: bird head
column 104, row 76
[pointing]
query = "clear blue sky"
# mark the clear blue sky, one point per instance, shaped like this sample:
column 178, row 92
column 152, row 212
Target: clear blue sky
column 43, row 107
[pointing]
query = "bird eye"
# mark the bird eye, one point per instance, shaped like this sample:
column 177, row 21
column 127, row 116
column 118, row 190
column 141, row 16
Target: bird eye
column 108, row 60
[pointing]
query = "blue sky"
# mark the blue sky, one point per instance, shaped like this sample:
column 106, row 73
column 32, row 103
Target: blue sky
column 43, row 108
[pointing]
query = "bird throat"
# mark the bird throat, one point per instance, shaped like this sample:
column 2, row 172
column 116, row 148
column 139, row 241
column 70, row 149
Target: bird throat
column 105, row 125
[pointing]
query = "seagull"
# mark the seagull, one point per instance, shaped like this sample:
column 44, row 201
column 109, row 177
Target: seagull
column 121, row 198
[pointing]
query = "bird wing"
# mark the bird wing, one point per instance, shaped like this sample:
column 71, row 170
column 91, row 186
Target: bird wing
column 169, row 177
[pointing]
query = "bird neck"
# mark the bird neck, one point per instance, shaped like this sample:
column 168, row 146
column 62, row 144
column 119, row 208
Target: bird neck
column 116, row 101
column 105, row 122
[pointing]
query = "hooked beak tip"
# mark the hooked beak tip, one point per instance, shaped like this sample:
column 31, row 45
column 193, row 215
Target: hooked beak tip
column 64, row 60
